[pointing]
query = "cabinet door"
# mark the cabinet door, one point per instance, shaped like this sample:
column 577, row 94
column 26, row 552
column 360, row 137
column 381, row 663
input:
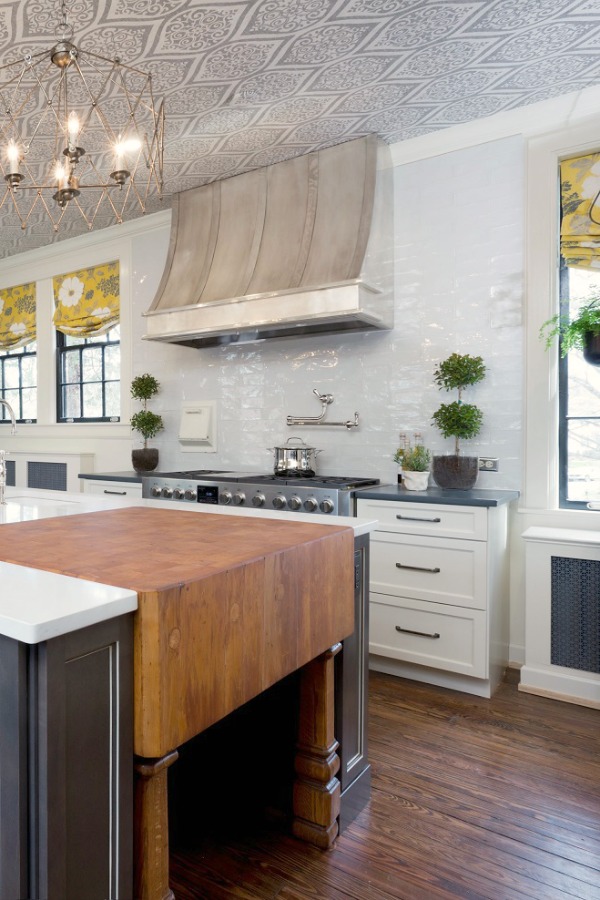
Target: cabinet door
column 434, row 569
column 467, row 522
column 429, row 634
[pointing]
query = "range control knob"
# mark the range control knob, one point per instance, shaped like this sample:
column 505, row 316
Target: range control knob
column 225, row 497
column 258, row 500
column 190, row 494
column 177, row 494
column 167, row 492
column 295, row 502
column 310, row 505
column 279, row 502
column 239, row 498
column 156, row 491
column 326, row 506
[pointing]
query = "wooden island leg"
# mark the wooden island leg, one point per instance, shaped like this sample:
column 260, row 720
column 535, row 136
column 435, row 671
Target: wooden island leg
column 151, row 824
column 316, row 789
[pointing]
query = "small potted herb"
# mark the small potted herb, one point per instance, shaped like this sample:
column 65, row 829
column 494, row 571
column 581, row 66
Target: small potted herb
column 414, row 461
column 459, row 420
column 580, row 333
column 147, row 423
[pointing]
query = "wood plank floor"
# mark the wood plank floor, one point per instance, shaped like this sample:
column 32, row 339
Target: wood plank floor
column 472, row 798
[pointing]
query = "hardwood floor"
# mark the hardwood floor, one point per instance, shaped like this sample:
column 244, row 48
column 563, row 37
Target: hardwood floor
column 472, row 798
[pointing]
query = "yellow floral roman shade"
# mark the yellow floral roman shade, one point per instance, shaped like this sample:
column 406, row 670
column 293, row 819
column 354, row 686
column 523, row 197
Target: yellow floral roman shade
column 17, row 316
column 86, row 302
column 579, row 235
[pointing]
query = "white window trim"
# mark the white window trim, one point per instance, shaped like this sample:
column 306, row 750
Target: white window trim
column 543, row 210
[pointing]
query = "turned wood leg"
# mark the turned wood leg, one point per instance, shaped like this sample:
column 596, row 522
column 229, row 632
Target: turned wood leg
column 316, row 789
column 151, row 829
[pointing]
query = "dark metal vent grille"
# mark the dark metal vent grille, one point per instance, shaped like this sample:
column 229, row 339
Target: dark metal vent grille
column 47, row 475
column 575, row 622
column 11, row 472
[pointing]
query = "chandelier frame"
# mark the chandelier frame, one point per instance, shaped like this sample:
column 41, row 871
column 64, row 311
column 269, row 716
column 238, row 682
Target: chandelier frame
column 57, row 98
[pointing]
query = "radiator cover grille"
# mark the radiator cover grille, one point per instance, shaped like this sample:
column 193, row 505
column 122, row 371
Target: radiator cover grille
column 50, row 476
column 575, row 613
column 10, row 472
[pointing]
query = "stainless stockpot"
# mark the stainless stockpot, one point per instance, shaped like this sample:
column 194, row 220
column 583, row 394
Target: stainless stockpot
column 295, row 460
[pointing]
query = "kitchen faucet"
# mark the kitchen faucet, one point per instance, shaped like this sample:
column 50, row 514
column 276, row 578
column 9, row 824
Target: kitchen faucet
column 13, row 430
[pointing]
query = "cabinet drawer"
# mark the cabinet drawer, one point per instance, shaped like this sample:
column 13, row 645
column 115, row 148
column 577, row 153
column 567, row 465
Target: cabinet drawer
column 434, row 569
column 112, row 488
column 445, row 637
column 467, row 522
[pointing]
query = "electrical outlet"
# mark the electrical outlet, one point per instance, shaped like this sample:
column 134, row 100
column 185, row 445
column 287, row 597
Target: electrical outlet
column 488, row 464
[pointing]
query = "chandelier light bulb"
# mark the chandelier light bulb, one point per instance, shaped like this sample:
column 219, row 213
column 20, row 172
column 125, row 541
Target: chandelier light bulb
column 73, row 130
column 12, row 154
column 60, row 174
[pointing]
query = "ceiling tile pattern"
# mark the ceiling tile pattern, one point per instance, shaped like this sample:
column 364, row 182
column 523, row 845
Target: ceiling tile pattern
column 248, row 83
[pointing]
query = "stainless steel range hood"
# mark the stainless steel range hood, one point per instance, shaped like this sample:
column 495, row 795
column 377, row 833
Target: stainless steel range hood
column 301, row 247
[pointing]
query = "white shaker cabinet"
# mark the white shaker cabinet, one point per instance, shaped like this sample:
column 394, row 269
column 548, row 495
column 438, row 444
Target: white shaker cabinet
column 439, row 587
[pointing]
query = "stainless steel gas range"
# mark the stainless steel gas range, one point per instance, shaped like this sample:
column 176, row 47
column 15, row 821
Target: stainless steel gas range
column 319, row 494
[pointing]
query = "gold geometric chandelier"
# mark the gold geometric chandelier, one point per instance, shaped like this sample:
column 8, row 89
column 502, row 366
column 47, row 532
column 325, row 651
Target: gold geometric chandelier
column 79, row 135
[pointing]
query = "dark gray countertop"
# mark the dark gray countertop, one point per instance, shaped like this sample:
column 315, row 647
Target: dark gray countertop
column 438, row 495
column 133, row 477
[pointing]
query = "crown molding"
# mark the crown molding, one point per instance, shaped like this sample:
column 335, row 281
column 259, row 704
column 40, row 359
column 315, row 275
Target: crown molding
column 530, row 121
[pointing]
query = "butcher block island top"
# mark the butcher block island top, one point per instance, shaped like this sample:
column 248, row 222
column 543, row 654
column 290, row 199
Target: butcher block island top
column 227, row 605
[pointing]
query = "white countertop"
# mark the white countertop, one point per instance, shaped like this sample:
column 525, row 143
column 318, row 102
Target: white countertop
column 36, row 605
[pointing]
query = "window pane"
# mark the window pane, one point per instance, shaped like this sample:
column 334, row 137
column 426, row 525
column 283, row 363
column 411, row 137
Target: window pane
column 584, row 460
column 29, row 396
column 11, row 373
column 92, row 401
column 112, row 362
column 29, row 371
column 91, row 364
column 71, row 367
column 113, row 399
column 72, row 409
column 13, row 398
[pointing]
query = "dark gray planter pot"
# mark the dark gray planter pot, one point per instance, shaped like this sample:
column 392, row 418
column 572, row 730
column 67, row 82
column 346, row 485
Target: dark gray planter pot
column 591, row 348
column 455, row 472
column 144, row 460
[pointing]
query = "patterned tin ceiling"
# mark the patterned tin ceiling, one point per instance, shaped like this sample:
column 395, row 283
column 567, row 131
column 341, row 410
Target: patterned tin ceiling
column 248, row 83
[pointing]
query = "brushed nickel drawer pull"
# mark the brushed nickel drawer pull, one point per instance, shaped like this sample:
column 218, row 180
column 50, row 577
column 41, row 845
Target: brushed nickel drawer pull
column 116, row 493
column 416, row 519
column 426, row 634
column 418, row 568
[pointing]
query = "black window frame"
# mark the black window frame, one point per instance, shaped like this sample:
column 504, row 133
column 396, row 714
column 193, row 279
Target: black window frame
column 20, row 354
column 63, row 349
column 563, row 403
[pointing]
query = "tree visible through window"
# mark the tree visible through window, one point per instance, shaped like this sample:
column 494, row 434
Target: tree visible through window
column 18, row 382
column 89, row 376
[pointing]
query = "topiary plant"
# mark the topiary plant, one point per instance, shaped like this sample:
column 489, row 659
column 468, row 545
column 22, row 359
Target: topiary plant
column 459, row 420
column 147, row 423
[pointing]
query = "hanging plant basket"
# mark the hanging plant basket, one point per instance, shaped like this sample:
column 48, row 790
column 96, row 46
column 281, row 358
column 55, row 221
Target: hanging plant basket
column 591, row 348
column 455, row 472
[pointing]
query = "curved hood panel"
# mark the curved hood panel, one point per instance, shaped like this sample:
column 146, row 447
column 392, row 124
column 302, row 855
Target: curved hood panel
column 300, row 247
